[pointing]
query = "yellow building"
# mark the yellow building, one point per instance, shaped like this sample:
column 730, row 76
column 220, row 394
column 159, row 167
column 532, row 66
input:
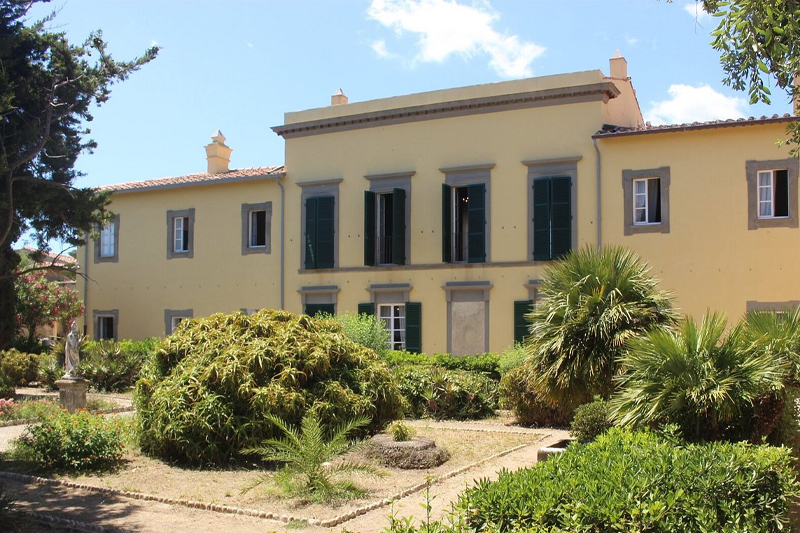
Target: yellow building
column 439, row 211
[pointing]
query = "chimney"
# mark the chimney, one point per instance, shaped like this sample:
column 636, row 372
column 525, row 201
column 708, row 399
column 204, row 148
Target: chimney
column 218, row 154
column 338, row 98
column 618, row 66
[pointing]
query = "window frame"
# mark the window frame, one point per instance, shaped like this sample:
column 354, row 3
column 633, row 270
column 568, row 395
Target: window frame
column 247, row 212
column 189, row 216
column 629, row 178
column 382, row 184
column 98, row 243
column 463, row 177
column 549, row 168
column 772, row 203
column 316, row 189
column 467, row 291
column 170, row 315
column 389, row 326
column 97, row 316
column 319, row 295
column 752, row 170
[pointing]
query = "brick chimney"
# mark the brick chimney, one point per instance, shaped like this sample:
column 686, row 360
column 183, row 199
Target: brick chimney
column 338, row 98
column 618, row 66
column 218, row 154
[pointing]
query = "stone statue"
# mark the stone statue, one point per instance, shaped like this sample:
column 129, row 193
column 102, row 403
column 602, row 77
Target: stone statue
column 71, row 357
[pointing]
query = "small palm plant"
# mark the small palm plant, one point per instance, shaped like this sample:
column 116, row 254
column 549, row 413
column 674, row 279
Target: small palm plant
column 306, row 454
column 697, row 377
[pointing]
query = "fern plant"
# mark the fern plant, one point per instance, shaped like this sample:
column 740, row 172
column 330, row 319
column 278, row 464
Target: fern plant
column 306, row 454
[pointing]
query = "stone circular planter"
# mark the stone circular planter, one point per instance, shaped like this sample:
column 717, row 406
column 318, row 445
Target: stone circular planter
column 416, row 453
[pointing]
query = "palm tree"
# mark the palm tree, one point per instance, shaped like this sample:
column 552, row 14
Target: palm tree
column 697, row 377
column 593, row 302
column 306, row 455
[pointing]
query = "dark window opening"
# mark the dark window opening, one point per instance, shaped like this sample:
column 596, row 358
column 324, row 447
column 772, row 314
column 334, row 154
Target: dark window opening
column 385, row 228
column 460, row 224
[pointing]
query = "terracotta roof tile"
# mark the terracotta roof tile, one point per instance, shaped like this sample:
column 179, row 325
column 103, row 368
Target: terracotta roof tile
column 52, row 257
column 243, row 174
column 618, row 131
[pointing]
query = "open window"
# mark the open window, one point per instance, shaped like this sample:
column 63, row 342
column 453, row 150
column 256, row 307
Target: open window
column 385, row 227
column 772, row 193
column 464, row 223
column 646, row 200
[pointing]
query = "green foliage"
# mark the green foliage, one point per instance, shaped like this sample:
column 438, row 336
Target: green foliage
column 114, row 366
column 510, row 358
column 366, row 330
column 29, row 409
column 591, row 420
column 308, row 456
column 626, row 481
column 697, row 377
column 206, row 393
column 20, row 368
column 51, row 368
column 526, row 404
column 75, row 442
column 52, row 87
column 400, row 431
column 6, row 386
column 487, row 364
column 439, row 393
column 41, row 301
column 593, row 302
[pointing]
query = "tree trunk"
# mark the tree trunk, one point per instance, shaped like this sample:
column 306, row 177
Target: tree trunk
column 8, row 295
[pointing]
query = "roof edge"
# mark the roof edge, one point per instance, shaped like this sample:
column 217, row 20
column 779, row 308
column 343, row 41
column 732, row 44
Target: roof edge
column 715, row 124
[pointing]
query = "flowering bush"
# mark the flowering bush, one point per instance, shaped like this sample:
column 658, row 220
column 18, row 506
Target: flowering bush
column 79, row 441
column 40, row 301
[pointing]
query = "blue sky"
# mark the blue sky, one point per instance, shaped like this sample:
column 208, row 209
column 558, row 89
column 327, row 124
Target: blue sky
column 238, row 65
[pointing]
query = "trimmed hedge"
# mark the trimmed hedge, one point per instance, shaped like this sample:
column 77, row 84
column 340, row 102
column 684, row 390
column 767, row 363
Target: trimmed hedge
column 628, row 481
column 486, row 364
column 439, row 393
column 205, row 394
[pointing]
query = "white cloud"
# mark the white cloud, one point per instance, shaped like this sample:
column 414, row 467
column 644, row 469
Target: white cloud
column 250, row 45
column 632, row 41
column 445, row 28
column 695, row 104
column 153, row 43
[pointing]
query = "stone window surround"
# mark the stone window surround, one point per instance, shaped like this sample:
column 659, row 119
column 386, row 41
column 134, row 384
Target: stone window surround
column 534, row 290
column 97, row 314
column 467, row 291
column 463, row 176
column 389, row 293
column 544, row 168
column 385, row 183
column 319, row 294
column 171, row 216
column 169, row 314
column 328, row 187
column 752, row 167
column 628, row 177
column 246, row 210
column 112, row 258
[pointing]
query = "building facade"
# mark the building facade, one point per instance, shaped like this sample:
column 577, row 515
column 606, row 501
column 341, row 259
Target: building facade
column 439, row 212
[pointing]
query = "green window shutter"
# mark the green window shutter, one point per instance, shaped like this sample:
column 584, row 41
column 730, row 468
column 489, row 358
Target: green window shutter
column 541, row 219
column 414, row 327
column 366, row 308
column 369, row 228
column 476, row 216
column 311, row 233
column 315, row 309
column 561, row 216
column 325, row 233
column 447, row 217
column 399, row 226
column 521, row 308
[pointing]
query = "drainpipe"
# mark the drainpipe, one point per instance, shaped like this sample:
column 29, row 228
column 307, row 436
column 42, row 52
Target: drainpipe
column 599, row 212
column 86, row 286
column 283, row 226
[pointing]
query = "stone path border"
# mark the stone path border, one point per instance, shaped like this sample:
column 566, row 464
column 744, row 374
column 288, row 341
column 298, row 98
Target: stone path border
column 74, row 525
column 255, row 513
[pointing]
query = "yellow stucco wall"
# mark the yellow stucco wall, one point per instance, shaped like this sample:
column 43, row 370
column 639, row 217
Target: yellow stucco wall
column 143, row 282
column 709, row 259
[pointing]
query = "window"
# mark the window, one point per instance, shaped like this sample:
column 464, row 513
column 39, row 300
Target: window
column 552, row 217
column 772, row 193
column 385, row 228
column 106, row 244
column 393, row 317
column 646, row 198
column 315, row 309
column 105, row 324
column 256, row 228
column 521, row 325
column 173, row 317
column 320, row 223
column 465, row 214
column 180, row 230
column 467, row 316
column 319, row 299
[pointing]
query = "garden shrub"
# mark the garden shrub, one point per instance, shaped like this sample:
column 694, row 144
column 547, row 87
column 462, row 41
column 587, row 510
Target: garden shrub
column 400, row 431
column 112, row 366
column 528, row 407
column 77, row 442
column 439, row 393
column 20, row 368
column 206, row 393
column 510, row 358
column 51, row 369
column 486, row 364
column 6, row 387
column 590, row 420
column 627, row 481
column 366, row 330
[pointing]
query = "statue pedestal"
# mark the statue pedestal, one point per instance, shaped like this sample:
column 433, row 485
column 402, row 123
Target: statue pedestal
column 72, row 393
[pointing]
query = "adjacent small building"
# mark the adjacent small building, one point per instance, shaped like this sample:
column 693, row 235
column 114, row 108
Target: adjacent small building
column 440, row 211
